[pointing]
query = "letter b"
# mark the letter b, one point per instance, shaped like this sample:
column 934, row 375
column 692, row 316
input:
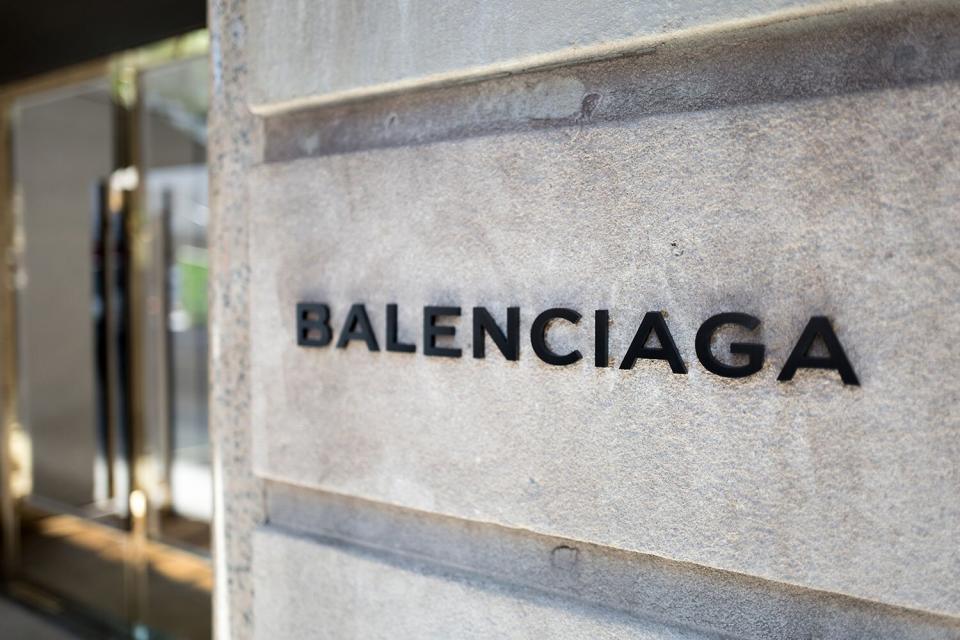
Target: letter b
column 313, row 325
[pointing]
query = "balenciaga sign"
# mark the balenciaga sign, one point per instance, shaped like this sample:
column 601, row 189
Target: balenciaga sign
column 314, row 330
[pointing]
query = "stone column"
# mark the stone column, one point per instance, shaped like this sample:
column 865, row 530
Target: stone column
column 409, row 173
column 234, row 149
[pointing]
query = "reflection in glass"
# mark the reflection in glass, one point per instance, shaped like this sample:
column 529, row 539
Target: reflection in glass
column 70, row 259
column 174, row 105
column 61, row 315
column 112, row 352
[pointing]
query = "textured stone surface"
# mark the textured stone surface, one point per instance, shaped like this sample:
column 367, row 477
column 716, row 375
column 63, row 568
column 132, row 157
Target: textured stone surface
column 844, row 206
column 777, row 157
column 646, row 587
column 876, row 47
column 307, row 52
column 238, row 495
column 308, row 590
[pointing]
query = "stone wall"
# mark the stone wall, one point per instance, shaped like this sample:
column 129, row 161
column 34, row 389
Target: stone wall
column 782, row 159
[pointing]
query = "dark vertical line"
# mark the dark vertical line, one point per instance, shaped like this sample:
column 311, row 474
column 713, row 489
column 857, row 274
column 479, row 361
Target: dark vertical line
column 601, row 332
column 102, row 323
column 166, row 221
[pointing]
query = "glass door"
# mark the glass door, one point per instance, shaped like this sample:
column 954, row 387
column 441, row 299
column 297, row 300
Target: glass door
column 113, row 484
column 173, row 101
column 73, row 430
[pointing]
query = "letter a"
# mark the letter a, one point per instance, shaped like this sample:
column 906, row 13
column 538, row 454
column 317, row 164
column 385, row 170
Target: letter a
column 836, row 358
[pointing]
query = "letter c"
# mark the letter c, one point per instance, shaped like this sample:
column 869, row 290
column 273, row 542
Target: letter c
column 538, row 336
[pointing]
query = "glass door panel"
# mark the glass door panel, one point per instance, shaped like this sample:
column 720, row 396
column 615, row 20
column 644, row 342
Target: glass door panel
column 71, row 341
column 57, row 193
column 174, row 107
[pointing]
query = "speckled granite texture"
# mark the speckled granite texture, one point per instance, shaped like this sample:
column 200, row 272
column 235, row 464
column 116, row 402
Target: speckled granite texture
column 787, row 167
column 233, row 148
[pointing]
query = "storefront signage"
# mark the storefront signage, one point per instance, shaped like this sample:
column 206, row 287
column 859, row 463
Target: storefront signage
column 314, row 329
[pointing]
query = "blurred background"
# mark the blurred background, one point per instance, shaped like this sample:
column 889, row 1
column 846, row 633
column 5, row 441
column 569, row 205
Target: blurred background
column 107, row 498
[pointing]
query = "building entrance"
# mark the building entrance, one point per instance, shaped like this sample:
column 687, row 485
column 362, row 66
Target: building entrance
column 108, row 495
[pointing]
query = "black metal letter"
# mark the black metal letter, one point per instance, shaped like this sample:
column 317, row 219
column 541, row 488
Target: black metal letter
column 800, row 356
column 754, row 352
column 601, row 334
column 653, row 323
column 357, row 327
column 483, row 323
column 313, row 328
column 431, row 331
column 392, row 343
column 538, row 336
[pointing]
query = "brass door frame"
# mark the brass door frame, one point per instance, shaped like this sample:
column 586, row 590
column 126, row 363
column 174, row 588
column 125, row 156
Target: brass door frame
column 123, row 71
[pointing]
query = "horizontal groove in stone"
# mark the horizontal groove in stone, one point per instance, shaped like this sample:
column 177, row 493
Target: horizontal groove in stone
column 858, row 50
column 582, row 40
column 643, row 586
column 359, row 592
